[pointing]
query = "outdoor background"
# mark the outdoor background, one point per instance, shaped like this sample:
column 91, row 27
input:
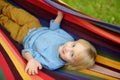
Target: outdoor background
column 104, row 10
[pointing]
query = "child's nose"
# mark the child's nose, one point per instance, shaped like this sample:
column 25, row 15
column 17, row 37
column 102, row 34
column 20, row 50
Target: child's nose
column 68, row 49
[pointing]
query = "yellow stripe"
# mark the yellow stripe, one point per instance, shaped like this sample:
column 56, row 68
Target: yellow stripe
column 63, row 2
column 97, row 74
column 20, row 69
column 108, row 62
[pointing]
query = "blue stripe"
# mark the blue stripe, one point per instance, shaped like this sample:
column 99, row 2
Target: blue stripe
column 71, row 76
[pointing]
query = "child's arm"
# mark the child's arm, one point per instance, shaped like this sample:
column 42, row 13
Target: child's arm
column 32, row 65
column 59, row 17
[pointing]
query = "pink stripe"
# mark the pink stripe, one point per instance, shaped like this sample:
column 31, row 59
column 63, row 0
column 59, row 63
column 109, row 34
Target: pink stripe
column 106, row 71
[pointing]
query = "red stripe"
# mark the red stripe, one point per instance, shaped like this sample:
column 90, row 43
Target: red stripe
column 10, row 64
column 20, row 59
column 7, row 72
column 79, row 21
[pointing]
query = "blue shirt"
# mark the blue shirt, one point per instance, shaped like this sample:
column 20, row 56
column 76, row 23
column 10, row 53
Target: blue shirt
column 43, row 44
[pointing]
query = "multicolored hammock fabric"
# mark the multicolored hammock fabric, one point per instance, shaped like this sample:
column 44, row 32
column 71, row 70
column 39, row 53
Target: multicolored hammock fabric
column 106, row 41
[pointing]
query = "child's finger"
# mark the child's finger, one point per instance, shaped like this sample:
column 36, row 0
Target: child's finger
column 26, row 69
column 33, row 72
column 39, row 66
column 36, row 71
column 30, row 71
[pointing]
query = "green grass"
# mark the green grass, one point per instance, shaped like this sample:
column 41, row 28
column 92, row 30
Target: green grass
column 104, row 10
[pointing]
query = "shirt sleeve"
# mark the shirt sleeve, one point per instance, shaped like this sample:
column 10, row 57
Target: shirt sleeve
column 36, row 56
column 53, row 25
column 31, row 51
column 42, row 60
column 47, row 64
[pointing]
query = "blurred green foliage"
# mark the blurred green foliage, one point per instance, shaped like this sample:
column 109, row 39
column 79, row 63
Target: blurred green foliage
column 104, row 10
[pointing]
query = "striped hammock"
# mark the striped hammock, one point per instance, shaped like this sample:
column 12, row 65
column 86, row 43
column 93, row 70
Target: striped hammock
column 104, row 36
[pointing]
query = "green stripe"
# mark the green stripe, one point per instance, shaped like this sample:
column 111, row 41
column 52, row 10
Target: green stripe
column 107, row 55
column 91, row 77
column 2, row 77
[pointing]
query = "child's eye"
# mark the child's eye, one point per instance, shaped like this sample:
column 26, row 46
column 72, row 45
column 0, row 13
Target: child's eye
column 73, row 45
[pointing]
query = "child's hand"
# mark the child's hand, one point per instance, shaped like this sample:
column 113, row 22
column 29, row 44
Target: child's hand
column 59, row 17
column 60, row 14
column 33, row 66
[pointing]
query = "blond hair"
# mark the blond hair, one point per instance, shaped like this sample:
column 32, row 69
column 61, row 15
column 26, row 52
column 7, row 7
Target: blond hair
column 84, row 62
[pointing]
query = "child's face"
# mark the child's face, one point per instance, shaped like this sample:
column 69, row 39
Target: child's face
column 69, row 50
